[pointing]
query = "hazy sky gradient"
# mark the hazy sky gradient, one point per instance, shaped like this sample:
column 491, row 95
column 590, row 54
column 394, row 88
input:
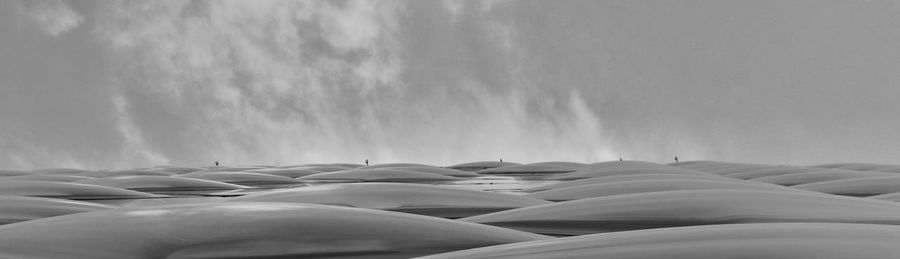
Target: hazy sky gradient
column 112, row 84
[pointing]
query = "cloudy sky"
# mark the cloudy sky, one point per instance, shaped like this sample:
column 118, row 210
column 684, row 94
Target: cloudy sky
column 113, row 84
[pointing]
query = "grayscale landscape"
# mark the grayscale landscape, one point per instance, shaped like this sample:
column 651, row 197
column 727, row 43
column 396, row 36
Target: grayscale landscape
column 449, row 129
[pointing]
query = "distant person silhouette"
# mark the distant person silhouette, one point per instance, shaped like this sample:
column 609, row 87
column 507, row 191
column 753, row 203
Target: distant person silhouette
column 620, row 159
column 676, row 159
column 501, row 160
column 217, row 163
column 367, row 162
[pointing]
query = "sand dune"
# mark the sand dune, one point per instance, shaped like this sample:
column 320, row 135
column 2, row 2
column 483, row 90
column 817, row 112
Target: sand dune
column 690, row 207
column 405, row 197
column 620, row 209
column 768, row 240
column 245, row 230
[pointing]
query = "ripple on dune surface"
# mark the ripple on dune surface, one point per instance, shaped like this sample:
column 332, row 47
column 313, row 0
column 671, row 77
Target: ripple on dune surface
column 760, row 240
column 246, row 230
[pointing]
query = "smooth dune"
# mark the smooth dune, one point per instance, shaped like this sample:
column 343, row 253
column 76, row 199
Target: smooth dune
column 738, row 168
column 155, row 183
column 818, row 176
column 530, row 169
column 66, row 171
column 690, row 207
column 325, row 168
column 628, row 177
column 590, row 173
column 22, row 208
column 436, row 170
column 480, row 165
column 286, row 172
column 66, row 190
column 894, row 196
column 391, row 165
column 45, row 177
column 422, row 199
column 175, row 169
column 116, row 173
column 859, row 187
column 246, row 230
column 649, row 185
column 378, row 175
column 241, row 178
column 625, row 163
column 762, row 240
column 772, row 171
column 5, row 173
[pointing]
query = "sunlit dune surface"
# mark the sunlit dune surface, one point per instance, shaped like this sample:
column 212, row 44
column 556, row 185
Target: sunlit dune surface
column 67, row 171
column 650, row 185
column 292, row 173
column 691, row 207
column 590, row 173
column 325, row 168
column 405, row 197
column 819, row 176
column 863, row 186
column 4, row 173
column 114, row 173
column 484, row 209
column 65, row 190
column 627, row 177
column 539, row 168
column 246, row 230
column 481, row 165
column 772, row 171
column 161, row 183
column 175, row 169
column 46, row 177
column 242, row 178
column 378, row 175
column 393, row 165
column 435, row 170
column 768, row 240
column 21, row 208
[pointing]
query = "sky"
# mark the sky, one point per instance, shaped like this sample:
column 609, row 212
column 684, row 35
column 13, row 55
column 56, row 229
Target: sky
column 124, row 84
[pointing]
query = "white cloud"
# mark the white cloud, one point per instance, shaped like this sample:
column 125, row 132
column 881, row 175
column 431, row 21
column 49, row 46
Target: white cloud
column 53, row 17
column 256, row 81
column 135, row 149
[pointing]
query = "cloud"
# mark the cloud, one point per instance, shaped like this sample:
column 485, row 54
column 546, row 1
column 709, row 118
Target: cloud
column 53, row 17
column 282, row 82
column 136, row 150
column 306, row 81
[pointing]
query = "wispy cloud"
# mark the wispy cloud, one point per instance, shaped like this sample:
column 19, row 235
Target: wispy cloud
column 53, row 17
